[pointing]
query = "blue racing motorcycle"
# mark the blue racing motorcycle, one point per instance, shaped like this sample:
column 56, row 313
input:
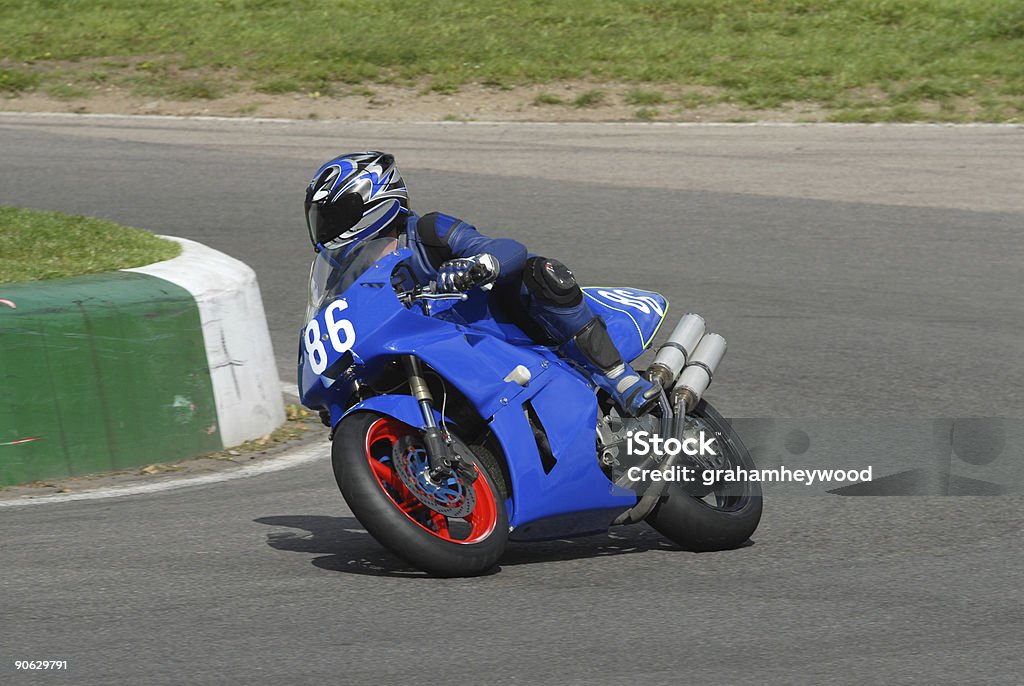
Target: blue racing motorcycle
column 453, row 432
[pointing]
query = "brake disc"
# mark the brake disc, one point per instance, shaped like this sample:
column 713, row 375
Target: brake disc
column 451, row 496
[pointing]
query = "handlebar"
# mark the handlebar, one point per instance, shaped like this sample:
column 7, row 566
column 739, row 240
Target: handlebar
column 427, row 293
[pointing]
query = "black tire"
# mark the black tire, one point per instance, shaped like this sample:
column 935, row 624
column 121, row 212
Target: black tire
column 397, row 531
column 698, row 525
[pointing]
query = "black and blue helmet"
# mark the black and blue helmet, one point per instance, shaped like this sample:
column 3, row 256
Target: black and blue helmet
column 354, row 197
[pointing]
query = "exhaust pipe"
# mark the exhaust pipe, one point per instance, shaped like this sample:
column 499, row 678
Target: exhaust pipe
column 698, row 373
column 677, row 351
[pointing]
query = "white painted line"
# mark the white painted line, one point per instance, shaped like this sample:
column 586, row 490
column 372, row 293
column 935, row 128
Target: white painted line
column 290, row 389
column 287, row 460
column 499, row 122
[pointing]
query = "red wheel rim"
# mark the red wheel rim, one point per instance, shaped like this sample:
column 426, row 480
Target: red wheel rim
column 481, row 520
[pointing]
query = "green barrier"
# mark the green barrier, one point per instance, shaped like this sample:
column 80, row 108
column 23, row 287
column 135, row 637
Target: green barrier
column 100, row 373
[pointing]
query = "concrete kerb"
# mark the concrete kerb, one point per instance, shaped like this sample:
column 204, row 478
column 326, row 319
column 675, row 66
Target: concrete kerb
column 121, row 369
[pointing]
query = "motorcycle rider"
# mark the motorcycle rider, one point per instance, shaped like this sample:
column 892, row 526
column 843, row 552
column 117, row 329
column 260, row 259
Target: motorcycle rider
column 360, row 196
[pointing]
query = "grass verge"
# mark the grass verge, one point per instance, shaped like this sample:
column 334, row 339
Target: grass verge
column 38, row 245
column 867, row 59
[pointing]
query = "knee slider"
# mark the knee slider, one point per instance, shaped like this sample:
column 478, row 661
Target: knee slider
column 551, row 282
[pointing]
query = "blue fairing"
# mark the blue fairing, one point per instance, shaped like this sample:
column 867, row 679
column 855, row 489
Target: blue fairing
column 372, row 328
column 402, row 407
column 633, row 316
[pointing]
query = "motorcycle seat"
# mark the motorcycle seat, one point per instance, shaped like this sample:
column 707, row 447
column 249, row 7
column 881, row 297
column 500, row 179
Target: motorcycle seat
column 633, row 316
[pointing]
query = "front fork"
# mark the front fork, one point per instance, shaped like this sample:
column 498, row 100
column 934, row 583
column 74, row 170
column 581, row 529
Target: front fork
column 442, row 458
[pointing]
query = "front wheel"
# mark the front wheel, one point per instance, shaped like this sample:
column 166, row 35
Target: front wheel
column 722, row 516
column 451, row 529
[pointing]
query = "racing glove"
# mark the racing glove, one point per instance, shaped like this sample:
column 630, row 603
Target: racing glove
column 465, row 273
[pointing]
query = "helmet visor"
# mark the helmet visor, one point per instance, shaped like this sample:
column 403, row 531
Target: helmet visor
column 327, row 221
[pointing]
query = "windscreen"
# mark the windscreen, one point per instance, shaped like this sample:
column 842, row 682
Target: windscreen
column 332, row 273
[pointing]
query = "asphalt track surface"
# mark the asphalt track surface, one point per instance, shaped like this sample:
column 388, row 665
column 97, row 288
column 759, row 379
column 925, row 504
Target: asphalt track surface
column 857, row 271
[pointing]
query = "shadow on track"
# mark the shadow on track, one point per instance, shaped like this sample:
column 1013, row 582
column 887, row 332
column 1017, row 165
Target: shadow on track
column 346, row 547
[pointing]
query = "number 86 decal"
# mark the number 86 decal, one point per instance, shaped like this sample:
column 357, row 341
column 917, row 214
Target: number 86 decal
column 316, row 352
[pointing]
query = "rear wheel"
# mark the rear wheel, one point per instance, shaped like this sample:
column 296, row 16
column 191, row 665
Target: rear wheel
column 452, row 528
column 719, row 517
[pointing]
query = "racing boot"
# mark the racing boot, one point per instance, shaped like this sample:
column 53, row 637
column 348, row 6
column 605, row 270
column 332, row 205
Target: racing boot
column 593, row 349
